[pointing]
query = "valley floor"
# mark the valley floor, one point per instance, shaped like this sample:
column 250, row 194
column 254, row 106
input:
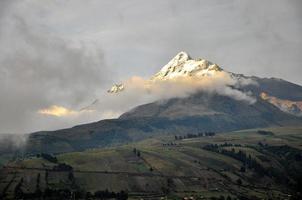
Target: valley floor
column 248, row 164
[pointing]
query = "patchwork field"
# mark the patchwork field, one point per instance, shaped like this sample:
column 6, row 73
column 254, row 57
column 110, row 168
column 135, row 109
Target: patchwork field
column 247, row 164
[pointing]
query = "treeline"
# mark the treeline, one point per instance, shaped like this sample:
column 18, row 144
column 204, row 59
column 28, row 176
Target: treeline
column 48, row 157
column 170, row 144
column 286, row 152
column 111, row 195
column 190, row 135
column 53, row 159
column 216, row 146
column 262, row 132
column 62, row 167
column 247, row 160
column 136, row 152
column 71, row 194
column 251, row 163
column 291, row 159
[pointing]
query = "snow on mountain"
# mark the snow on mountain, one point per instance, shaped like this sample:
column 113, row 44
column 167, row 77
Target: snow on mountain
column 116, row 88
column 183, row 66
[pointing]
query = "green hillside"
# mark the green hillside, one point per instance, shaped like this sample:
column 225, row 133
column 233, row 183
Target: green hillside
column 249, row 164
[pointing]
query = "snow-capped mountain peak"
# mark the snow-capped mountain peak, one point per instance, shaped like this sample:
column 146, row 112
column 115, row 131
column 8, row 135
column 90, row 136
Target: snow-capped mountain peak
column 181, row 66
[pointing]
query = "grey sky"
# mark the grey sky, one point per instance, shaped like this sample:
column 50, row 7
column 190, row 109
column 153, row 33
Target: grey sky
column 68, row 52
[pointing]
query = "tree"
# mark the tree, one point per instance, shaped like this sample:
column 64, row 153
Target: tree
column 122, row 195
column 221, row 198
column 18, row 191
column 239, row 181
column 70, row 176
column 38, row 182
column 62, row 167
column 46, row 176
column 49, row 157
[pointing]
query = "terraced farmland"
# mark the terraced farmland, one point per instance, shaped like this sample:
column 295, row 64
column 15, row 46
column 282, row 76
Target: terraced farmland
column 236, row 165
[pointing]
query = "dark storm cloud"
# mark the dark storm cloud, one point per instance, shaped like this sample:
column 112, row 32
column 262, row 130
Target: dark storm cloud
column 68, row 53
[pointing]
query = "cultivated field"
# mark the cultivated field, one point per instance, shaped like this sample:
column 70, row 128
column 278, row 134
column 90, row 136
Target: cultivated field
column 249, row 164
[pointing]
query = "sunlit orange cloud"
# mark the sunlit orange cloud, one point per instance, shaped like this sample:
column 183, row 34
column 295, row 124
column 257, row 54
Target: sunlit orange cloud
column 57, row 111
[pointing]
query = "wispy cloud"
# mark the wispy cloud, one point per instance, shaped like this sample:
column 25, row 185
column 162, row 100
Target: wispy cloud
column 58, row 111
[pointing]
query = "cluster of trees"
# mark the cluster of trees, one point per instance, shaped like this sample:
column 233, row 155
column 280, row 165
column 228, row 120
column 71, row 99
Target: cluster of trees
column 122, row 195
column 190, row 135
column 169, row 144
column 221, row 198
column 49, row 193
column 261, row 132
column 286, row 152
column 262, row 145
column 136, row 152
column 48, row 157
column 62, row 167
column 247, row 160
column 291, row 160
column 216, row 147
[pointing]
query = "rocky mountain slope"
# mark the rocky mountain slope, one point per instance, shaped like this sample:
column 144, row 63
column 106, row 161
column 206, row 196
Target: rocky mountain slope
column 292, row 107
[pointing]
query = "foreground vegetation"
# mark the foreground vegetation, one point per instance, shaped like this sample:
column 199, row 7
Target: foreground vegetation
column 249, row 164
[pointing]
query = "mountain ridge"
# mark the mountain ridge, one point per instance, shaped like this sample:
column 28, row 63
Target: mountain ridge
column 131, row 128
column 206, row 110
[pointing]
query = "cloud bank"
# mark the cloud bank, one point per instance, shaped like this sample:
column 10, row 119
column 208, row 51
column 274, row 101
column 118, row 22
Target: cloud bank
column 221, row 83
column 68, row 53
column 39, row 69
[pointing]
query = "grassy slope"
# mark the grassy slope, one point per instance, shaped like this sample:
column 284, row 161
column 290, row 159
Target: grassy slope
column 184, row 168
